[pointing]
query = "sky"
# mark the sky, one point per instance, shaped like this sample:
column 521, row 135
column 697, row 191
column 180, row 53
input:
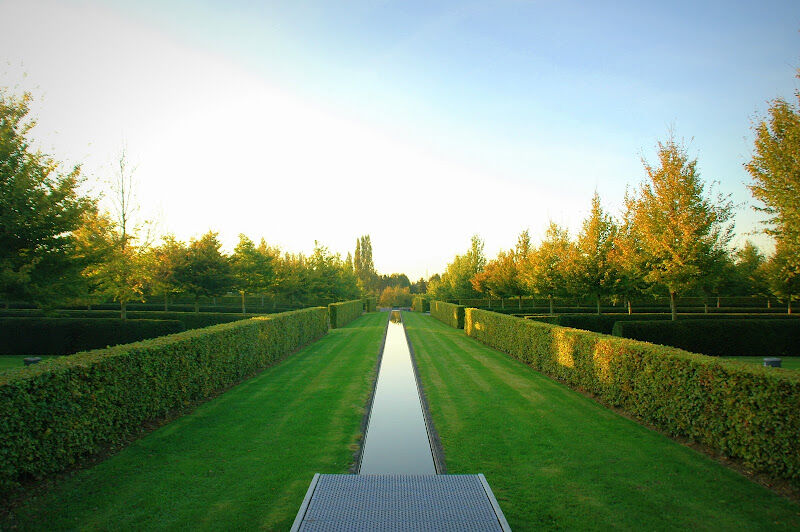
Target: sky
column 418, row 123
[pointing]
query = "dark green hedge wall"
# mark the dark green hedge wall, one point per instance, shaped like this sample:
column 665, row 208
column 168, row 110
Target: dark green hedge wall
column 64, row 336
column 420, row 304
column 61, row 409
column 452, row 315
column 743, row 411
column 190, row 320
column 725, row 337
column 345, row 312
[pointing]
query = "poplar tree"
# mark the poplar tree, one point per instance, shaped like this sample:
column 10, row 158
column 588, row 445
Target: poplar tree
column 683, row 233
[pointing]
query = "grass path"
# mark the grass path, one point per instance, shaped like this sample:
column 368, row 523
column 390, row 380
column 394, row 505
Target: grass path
column 241, row 461
column 17, row 361
column 556, row 459
column 786, row 362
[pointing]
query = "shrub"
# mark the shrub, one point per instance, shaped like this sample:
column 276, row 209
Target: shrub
column 744, row 411
column 370, row 304
column 343, row 313
column 452, row 315
column 61, row 409
column 420, row 304
column 190, row 320
column 726, row 337
column 63, row 336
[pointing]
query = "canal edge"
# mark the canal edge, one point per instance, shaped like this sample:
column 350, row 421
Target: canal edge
column 433, row 437
column 358, row 454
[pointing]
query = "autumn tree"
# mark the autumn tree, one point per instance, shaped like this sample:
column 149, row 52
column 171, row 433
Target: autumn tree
column 749, row 271
column 594, row 270
column 781, row 275
column 456, row 283
column 775, row 169
column 628, row 258
column 252, row 269
column 164, row 262
column 204, row 271
column 683, row 233
column 40, row 209
column 547, row 272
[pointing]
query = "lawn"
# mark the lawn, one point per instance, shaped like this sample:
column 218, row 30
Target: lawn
column 786, row 362
column 556, row 459
column 241, row 461
column 16, row 361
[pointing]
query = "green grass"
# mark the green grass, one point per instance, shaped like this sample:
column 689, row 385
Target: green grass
column 241, row 461
column 556, row 459
column 16, row 361
column 786, row 362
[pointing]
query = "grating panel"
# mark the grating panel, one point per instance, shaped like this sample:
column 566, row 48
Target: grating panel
column 399, row 502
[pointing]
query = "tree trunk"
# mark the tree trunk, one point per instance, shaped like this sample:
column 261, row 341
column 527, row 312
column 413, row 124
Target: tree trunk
column 672, row 307
column 262, row 301
column 88, row 307
column 769, row 303
column 550, row 298
column 717, row 301
column 598, row 305
column 244, row 307
column 490, row 301
column 196, row 305
column 520, row 301
column 166, row 302
column 123, row 310
column 502, row 303
column 630, row 308
column 214, row 300
column 705, row 307
column 789, row 306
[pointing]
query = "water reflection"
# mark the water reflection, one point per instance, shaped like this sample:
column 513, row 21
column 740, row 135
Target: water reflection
column 396, row 439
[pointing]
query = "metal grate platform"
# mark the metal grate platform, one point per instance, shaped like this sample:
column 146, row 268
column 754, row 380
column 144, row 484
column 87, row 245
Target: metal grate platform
column 400, row 502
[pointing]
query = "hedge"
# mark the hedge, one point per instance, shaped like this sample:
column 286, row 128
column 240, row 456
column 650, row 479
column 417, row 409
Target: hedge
column 744, row 411
column 448, row 313
column 190, row 320
column 55, row 412
column 64, row 336
column 604, row 323
column 343, row 313
column 420, row 304
column 726, row 337
column 370, row 304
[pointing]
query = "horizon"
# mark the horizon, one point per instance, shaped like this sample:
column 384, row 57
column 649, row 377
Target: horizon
column 395, row 118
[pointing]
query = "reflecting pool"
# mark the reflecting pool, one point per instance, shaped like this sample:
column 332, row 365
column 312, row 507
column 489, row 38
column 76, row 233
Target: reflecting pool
column 396, row 440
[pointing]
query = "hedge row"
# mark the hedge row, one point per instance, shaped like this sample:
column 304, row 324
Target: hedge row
column 343, row 313
column 420, row 304
column 370, row 304
column 448, row 313
column 745, row 411
column 728, row 337
column 604, row 323
column 190, row 320
column 61, row 409
column 64, row 336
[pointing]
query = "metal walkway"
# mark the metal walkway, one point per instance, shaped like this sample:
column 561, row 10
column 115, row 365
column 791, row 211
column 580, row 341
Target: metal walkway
column 400, row 502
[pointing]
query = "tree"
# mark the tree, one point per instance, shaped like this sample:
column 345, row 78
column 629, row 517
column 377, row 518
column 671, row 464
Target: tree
column 252, row 269
column 547, row 272
column 456, row 282
column 204, row 270
column 781, row 276
column 628, row 258
column 40, row 209
column 363, row 265
column 749, row 271
column 164, row 262
column 395, row 296
column 775, row 169
column 420, row 287
column 595, row 271
column 683, row 233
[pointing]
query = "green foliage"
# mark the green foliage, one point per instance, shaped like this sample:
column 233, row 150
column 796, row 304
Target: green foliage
column 547, row 273
column 395, row 297
column 448, row 313
column 682, row 233
column 252, row 268
column 719, row 337
column 594, row 270
column 456, row 280
column 363, row 265
column 420, row 304
column 204, row 270
column 40, row 208
column 64, row 336
column 744, row 412
column 344, row 312
column 370, row 304
column 59, row 410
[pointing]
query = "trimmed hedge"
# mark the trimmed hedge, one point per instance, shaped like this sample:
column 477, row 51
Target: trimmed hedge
column 55, row 412
column 726, row 337
column 343, row 313
column 370, row 304
column 64, row 336
column 190, row 320
column 742, row 410
column 420, row 304
column 448, row 313
column 604, row 323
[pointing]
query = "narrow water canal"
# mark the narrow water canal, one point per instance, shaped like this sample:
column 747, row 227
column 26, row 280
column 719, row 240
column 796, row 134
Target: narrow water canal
column 396, row 440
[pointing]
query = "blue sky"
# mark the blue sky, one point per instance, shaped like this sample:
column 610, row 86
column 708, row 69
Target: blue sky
column 455, row 118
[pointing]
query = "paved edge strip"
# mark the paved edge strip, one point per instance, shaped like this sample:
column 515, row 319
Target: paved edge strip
column 433, row 436
column 301, row 513
column 358, row 455
column 498, row 512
